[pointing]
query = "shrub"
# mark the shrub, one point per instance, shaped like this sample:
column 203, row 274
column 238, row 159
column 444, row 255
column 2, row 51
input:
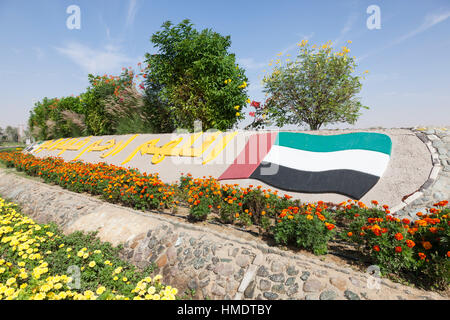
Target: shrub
column 310, row 228
column 200, row 209
column 318, row 88
column 194, row 77
column 400, row 247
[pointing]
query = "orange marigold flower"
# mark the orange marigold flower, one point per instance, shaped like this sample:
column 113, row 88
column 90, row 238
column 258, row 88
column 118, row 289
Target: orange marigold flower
column 376, row 248
column 410, row 243
column 422, row 256
column 398, row 236
column 350, row 234
column 427, row 245
column 374, row 202
column 329, row 226
column 309, row 217
column 448, row 254
column 398, row 249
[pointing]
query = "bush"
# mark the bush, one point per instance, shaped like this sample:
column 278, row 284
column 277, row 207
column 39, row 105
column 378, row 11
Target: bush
column 309, row 228
column 400, row 247
column 194, row 77
column 200, row 209
column 318, row 88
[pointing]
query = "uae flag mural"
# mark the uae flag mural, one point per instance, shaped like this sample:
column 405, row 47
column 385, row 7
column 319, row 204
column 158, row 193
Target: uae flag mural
column 348, row 164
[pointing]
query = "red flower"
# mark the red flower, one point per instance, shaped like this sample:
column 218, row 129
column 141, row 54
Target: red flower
column 376, row 248
column 410, row 243
column 255, row 104
column 252, row 114
column 398, row 249
column 399, row 236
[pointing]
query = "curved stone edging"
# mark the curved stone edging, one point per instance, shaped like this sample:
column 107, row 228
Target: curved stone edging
column 213, row 263
column 437, row 186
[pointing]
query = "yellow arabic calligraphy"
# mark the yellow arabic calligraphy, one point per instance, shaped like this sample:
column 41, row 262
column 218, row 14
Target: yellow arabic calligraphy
column 169, row 149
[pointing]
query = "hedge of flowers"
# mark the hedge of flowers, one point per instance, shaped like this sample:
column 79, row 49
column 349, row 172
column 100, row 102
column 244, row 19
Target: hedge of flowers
column 420, row 250
column 399, row 246
column 37, row 261
column 114, row 184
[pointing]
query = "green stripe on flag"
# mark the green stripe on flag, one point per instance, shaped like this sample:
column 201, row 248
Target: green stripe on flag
column 321, row 143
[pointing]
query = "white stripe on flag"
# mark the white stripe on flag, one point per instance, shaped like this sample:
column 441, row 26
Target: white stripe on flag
column 370, row 162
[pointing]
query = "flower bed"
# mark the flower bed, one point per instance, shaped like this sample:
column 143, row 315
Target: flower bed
column 39, row 262
column 419, row 251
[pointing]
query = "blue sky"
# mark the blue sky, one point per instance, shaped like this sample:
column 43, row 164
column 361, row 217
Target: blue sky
column 408, row 58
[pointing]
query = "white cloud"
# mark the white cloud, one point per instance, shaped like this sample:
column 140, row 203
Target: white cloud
column 108, row 59
column 346, row 29
column 132, row 9
column 430, row 20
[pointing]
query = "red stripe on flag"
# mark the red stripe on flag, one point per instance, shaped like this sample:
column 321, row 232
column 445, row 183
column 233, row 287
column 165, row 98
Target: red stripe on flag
column 257, row 147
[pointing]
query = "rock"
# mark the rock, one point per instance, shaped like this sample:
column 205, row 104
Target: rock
column 162, row 261
column 242, row 261
column 278, row 288
column 290, row 281
column 292, row 289
column 339, row 283
column 224, row 269
column 203, row 283
column 202, row 275
column 350, row 295
column 193, row 284
column 305, row 275
column 312, row 285
column 270, row 295
column 277, row 267
column 264, row 285
column 320, row 273
column 262, row 272
column 328, row 295
column 218, row 290
column 279, row 277
column 292, row 271
column 355, row 282
column 250, row 290
column 311, row 297
column 232, row 252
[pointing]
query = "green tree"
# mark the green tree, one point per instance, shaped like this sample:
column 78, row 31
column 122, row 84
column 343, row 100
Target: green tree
column 193, row 77
column 318, row 88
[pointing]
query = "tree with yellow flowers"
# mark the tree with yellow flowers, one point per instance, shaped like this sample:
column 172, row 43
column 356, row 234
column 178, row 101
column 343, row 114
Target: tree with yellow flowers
column 317, row 88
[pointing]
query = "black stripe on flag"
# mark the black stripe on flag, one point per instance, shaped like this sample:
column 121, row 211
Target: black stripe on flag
column 351, row 183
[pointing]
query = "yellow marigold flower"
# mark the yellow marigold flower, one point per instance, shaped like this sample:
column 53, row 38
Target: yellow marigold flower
column 10, row 281
column 124, row 279
column 92, row 264
column 100, row 290
column 237, row 114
